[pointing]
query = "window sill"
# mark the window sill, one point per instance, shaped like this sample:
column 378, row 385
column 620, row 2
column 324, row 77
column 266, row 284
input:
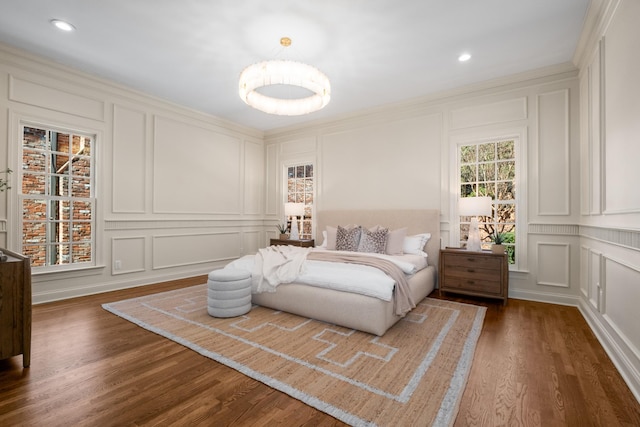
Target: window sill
column 69, row 272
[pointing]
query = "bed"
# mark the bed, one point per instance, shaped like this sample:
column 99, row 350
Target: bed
column 351, row 310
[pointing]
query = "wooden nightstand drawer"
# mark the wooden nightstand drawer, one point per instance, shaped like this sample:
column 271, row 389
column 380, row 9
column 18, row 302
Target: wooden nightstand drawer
column 474, row 285
column 474, row 273
column 470, row 261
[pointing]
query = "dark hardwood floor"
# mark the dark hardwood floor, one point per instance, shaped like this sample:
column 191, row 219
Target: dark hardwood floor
column 535, row 365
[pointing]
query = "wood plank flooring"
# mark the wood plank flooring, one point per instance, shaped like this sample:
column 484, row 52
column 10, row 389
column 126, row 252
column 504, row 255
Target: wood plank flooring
column 535, row 365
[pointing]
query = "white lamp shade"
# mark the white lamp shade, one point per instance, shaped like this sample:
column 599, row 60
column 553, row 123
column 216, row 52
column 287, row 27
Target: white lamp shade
column 474, row 206
column 294, row 209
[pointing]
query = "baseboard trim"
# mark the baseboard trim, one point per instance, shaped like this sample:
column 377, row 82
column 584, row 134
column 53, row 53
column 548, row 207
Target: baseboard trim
column 548, row 297
column 67, row 293
column 613, row 348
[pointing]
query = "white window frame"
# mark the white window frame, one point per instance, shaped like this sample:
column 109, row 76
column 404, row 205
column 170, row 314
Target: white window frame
column 285, row 190
column 519, row 136
column 18, row 134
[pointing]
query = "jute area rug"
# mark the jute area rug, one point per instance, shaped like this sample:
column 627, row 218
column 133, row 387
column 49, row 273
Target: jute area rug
column 414, row 375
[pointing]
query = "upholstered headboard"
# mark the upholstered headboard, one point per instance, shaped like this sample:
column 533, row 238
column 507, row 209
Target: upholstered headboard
column 416, row 221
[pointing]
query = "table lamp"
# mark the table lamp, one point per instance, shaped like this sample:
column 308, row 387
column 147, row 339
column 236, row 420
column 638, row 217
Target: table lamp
column 294, row 210
column 474, row 207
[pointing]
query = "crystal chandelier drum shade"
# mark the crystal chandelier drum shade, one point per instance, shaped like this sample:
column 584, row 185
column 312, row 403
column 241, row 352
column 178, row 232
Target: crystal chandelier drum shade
column 284, row 72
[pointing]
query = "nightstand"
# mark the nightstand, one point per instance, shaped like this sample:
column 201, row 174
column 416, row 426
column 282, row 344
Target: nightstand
column 301, row 243
column 482, row 274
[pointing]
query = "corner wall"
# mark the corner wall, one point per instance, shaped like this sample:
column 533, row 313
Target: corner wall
column 610, row 202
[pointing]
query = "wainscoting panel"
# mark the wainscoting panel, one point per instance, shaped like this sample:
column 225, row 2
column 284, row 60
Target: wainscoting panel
column 622, row 302
column 129, row 160
column 40, row 95
column 584, row 271
column 553, row 153
column 252, row 241
column 596, row 293
column 553, row 264
column 485, row 114
column 187, row 249
column 127, row 254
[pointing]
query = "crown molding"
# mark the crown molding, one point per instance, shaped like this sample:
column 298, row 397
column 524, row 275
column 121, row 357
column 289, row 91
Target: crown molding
column 596, row 21
column 431, row 103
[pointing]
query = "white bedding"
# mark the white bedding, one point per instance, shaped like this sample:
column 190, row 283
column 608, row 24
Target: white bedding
column 360, row 279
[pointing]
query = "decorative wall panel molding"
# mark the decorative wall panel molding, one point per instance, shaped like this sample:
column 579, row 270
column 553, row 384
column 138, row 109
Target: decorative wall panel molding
column 554, row 264
column 621, row 304
column 40, row 95
column 200, row 158
column 177, row 250
column 626, row 238
column 584, row 272
column 553, row 153
column 596, row 280
column 113, row 225
column 128, row 254
column 555, row 229
column 129, row 151
column 3, row 225
column 489, row 113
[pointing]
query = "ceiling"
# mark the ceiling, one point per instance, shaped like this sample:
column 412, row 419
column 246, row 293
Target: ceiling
column 375, row 52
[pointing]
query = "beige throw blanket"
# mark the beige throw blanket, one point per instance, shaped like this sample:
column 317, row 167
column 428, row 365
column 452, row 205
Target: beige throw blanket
column 402, row 301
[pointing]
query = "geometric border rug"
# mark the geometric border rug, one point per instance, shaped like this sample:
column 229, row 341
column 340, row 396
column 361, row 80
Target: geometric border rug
column 415, row 374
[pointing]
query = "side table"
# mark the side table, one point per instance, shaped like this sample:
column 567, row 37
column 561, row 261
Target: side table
column 302, row 243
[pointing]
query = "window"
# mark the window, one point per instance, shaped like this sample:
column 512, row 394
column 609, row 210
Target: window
column 300, row 190
column 57, row 197
column 489, row 169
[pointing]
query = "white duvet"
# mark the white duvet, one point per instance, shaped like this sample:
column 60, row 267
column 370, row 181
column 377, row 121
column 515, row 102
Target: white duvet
column 346, row 277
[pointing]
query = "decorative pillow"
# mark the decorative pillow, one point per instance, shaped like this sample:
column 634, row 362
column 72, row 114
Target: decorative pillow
column 347, row 239
column 374, row 240
column 415, row 244
column 395, row 241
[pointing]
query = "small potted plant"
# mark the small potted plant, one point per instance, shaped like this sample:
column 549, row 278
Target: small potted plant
column 498, row 239
column 282, row 228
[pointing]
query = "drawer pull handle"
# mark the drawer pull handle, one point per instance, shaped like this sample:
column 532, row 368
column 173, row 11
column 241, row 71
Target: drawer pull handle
column 470, row 270
column 471, row 282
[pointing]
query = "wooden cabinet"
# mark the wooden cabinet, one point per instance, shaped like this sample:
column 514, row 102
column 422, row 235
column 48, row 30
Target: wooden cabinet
column 301, row 243
column 15, row 307
column 474, row 273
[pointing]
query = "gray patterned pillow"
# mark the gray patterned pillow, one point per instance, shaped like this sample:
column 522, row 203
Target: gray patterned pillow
column 373, row 241
column 347, row 239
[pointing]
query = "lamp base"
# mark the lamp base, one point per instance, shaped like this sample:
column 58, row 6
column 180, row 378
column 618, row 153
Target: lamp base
column 473, row 243
column 294, row 229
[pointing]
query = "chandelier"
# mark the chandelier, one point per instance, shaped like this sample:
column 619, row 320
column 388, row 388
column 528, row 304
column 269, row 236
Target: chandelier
column 284, row 72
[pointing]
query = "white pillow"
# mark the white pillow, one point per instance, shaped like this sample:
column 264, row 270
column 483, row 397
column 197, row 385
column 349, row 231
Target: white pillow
column 324, row 240
column 415, row 244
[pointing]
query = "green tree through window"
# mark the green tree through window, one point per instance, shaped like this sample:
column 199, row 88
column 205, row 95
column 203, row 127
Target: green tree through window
column 489, row 169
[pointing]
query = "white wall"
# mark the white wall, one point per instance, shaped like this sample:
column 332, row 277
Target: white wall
column 404, row 157
column 610, row 201
column 179, row 193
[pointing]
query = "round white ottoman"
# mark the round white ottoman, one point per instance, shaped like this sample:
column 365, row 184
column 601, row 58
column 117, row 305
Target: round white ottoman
column 228, row 292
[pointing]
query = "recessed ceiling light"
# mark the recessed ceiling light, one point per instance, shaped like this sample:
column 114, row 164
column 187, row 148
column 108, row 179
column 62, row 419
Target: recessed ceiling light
column 62, row 25
column 464, row 57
